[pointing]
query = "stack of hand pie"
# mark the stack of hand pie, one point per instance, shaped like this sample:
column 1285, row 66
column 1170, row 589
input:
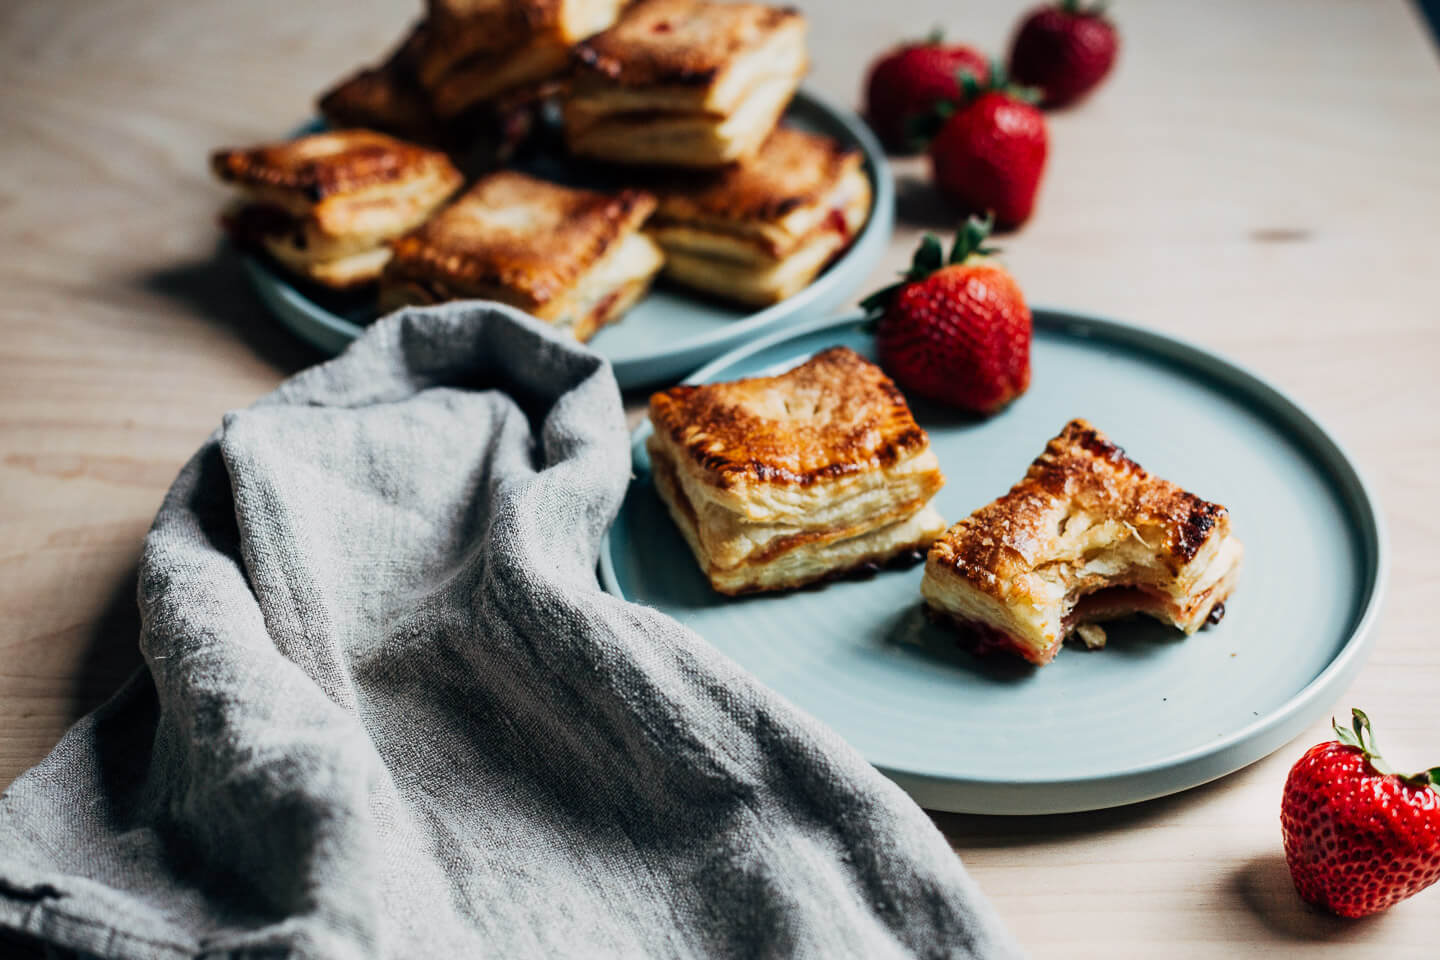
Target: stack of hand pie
column 679, row 99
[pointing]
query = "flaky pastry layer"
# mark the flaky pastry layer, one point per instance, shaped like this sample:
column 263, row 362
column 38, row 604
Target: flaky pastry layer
column 775, row 447
column 600, row 296
column 706, row 260
column 388, row 97
column 516, row 239
column 467, row 30
column 702, row 140
column 1087, row 535
column 804, row 557
column 762, row 209
column 687, row 55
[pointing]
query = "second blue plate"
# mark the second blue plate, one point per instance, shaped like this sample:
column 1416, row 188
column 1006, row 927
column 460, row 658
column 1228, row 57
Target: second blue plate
column 1152, row 713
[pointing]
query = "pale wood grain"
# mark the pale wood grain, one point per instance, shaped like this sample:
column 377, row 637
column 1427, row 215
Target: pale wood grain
column 1263, row 179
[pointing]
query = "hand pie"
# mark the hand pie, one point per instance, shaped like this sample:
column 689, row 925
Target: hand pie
column 326, row 206
column 574, row 258
column 387, row 98
column 478, row 50
column 684, row 83
column 1086, row 536
column 762, row 229
column 776, row 482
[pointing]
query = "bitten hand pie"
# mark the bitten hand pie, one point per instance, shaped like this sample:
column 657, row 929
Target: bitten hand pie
column 684, row 83
column 1086, row 536
column 776, row 482
column 759, row 231
column 326, row 206
column 574, row 258
column 478, row 50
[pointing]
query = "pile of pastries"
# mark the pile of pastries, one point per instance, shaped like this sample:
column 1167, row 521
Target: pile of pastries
column 674, row 104
column 821, row 473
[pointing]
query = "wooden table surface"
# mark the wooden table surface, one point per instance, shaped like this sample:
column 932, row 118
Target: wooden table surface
column 1263, row 179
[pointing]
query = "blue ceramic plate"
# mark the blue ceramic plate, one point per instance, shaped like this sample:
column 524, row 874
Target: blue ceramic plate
column 1151, row 714
column 670, row 332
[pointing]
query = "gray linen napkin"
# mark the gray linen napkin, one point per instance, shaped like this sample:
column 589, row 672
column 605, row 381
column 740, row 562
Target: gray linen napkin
column 388, row 712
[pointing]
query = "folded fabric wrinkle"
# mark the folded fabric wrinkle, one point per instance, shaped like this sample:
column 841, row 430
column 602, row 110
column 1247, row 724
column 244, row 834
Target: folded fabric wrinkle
column 388, row 712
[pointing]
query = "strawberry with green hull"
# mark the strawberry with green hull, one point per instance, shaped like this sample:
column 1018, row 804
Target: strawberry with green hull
column 1065, row 50
column 958, row 331
column 1359, row 837
column 908, row 83
column 990, row 152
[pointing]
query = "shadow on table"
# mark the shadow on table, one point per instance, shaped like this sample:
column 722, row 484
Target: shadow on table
column 216, row 290
column 919, row 204
column 975, row 831
column 1265, row 887
column 112, row 652
column 1261, row 885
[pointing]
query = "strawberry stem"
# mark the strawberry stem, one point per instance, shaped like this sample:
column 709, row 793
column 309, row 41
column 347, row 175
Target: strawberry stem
column 970, row 239
column 1074, row 8
column 930, row 256
column 1361, row 736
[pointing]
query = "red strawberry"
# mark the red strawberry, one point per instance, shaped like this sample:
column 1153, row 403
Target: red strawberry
column 1064, row 50
column 989, row 157
column 1359, row 837
column 909, row 82
column 956, row 332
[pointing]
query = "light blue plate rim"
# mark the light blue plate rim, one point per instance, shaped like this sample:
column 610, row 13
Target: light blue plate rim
column 670, row 359
column 1187, row 769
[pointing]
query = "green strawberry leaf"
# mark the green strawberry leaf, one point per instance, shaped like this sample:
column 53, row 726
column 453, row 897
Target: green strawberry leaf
column 1345, row 735
column 969, row 84
column 936, row 36
column 921, row 128
column 929, row 257
column 875, row 304
column 1000, row 82
column 970, row 239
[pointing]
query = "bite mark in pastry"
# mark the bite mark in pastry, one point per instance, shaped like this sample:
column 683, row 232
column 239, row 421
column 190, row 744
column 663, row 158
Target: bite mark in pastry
column 574, row 258
column 1087, row 535
column 761, row 230
column 326, row 206
column 777, row 482
column 684, row 83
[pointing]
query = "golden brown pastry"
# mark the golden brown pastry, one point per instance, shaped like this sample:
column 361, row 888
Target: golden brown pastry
column 387, row 98
column 574, row 258
column 326, row 206
column 478, row 50
column 776, row 482
column 761, row 230
column 684, row 83
column 1086, row 536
